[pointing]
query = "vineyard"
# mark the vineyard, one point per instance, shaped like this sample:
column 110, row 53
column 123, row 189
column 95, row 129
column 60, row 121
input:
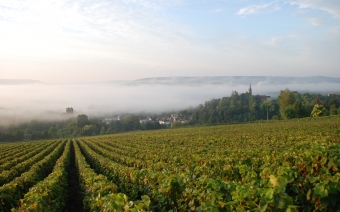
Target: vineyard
column 276, row 166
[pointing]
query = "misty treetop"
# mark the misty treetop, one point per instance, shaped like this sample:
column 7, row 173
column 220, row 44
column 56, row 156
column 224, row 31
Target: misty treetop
column 234, row 109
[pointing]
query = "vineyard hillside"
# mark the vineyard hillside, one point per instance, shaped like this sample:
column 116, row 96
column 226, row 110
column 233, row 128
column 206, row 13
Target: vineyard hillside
column 275, row 166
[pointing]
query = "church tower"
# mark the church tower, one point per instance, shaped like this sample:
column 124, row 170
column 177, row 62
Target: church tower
column 250, row 91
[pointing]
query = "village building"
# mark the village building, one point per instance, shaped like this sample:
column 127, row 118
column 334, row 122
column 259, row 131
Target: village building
column 165, row 122
column 109, row 120
column 144, row 120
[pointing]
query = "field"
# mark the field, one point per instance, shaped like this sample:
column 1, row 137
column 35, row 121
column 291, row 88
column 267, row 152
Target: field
column 277, row 166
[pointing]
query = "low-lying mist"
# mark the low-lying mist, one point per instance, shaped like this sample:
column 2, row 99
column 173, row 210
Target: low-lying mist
column 21, row 103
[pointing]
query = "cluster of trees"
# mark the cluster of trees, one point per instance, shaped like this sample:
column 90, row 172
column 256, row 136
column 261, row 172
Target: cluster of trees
column 246, row 107
column 131, row 123
column 236, row 108
column 296, row 105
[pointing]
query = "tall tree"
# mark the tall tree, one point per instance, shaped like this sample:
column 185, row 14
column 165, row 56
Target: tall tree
column 298, row 108
column 285, row 99
column 131, row 122
column 333, row 107
column 102, row 131
column 82, row 120
column 69, row 110
column 268, row 106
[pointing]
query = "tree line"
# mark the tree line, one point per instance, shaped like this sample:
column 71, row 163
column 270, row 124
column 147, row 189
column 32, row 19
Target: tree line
column 245, row 107
column 73, row 127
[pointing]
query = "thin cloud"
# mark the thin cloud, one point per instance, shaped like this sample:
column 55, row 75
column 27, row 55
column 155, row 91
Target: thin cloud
column 256, row 9
column 330, row 6
column 216, row 11
column 104, row 28
column 274, row 41
column 315, row 21
column 335, row 30
column 133, row 20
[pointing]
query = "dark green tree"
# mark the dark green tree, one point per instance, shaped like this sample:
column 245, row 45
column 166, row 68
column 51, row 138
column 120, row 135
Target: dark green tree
column 82, row 120
column 52, row 132
column 333, row 110
column 131, row 122
column 333, row 106
column 88, row 130
column 285, row 100
column 268, row 106
column 102, row 131
column 290, row 112
column 298, row 108
column 69, row 110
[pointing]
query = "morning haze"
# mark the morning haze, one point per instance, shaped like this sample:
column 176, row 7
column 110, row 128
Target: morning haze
column 24, row 100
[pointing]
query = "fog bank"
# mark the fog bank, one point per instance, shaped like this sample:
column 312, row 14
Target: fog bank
column 28, row 101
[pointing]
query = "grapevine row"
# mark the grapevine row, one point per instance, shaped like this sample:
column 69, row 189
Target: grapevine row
column 11, row 192
column 26, row 154
column 133, row 182
column 8, row 175
column 15, row 149
column 49, row 194
column 118, row 158
column 274, row 173
column 100, row 193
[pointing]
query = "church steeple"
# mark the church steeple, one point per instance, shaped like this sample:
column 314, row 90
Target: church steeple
column 250, row 91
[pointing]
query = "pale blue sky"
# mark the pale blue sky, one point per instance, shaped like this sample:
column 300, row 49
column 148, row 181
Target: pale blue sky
column 64, row 41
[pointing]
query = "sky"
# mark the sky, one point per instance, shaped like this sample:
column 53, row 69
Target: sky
column 67, row 41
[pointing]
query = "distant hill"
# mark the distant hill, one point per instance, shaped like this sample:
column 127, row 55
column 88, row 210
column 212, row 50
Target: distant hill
column 18, row 81
column 208, row 80
column 235, row 80
column 230, row 80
